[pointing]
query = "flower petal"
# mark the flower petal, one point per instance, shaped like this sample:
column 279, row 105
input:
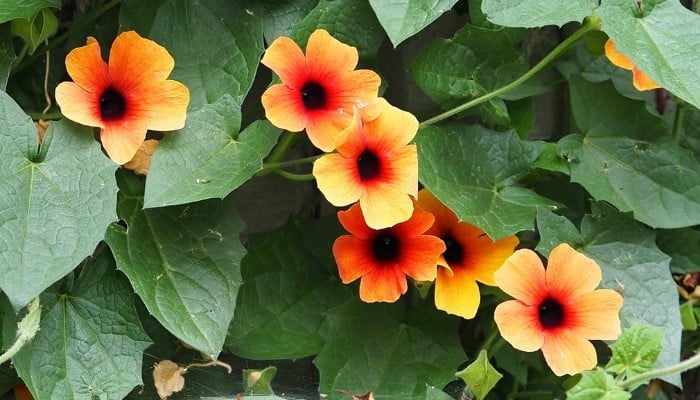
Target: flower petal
column 392, row 129
column 568, row 353
column 519, row 325
column 162, row 105
column 522, row 276
column 284, row 109
column 457, row 294
column 326, row 56
column 385, row 206
column 418, row 224
column 383, row 284
column 87, row 68
column 616, row 58
column 122, row 139
column 642, row 81
column 325, row 127
column 445, row 219
column 336, row 177
column 595, row 315
column 354, row 222
column 352, row 257
column 571, row 274
column 483, row 256
column 401, row 169
column 78, row 105
column 285, row 58
column 134, row 61
column 419, row 256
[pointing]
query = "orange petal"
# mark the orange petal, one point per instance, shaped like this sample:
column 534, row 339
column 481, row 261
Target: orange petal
column 596, row 315
column 385, row 206
column 325, row 128
column 616, row 58
column 385, row 284
column 457, row 294
column 326, row 57
column 571, row 274
column 445, row 219
column 336, row 177
column 87, row 68
column 78, row 105
column 283, row 108
column 641, row 81
column 354, row 222
column 418, row 224
column 353, row 141
column 522, row 276
column 392, row 129
column 568, row 353
column 519, row 325
column 352, row 257
column 484, row 256
column 134, row 61
column 285, row 58
column 419, row 256
column 161, row 105
column 122, row 139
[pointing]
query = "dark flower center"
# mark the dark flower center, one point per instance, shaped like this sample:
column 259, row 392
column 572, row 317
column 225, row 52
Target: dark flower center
column 453, row 253
column 385, row 247
column 368, row 165
column 313, row 95
column 551, row 313
column 112, row 105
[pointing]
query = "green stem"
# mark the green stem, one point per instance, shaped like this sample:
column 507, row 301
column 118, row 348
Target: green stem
column 89, row 19
column 590, row 24
column 486, row 346
column 270, row 167
column 678, row 122
column 26, row 329
column 640, row 379
column 294, row 177
column 46, row 116
column 282, row 147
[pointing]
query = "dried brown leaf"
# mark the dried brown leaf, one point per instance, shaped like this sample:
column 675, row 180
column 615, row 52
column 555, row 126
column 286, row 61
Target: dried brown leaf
column 168, row 378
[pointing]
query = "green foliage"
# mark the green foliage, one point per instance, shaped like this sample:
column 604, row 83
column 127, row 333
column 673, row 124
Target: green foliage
column 12, row 9
column 536, row 13
column 636, row 351
column 480, row 376
column 257, row 382
column 36, row 29
column 597, row 385
column 403, row 19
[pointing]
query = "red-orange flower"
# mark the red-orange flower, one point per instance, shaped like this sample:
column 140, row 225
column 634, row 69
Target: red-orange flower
column 382, row 258
column 126, row 97
column 640, row 80
column 558, row 309
column 470, row 256
column 376, row 166
column 319, row 91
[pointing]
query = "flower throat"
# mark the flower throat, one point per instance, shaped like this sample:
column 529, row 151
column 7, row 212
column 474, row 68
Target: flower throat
column 112, row 105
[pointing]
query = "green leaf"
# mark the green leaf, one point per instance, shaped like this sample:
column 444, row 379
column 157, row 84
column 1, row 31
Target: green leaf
column 555, row 229
column 183, row 262
column 635, row 351
column 91, row 342
column 216, row 43
column 630, row 164
column 682, row 246
column 281, row 16
column 596, row 385
column 350, row 21
column 433, row 393
column 54, row 206
column 7, row 55
column 475, row 171
column 36, row 29
column 402, row 19
column 11, row 9
column 257, row 381
column 480, row 376
column 208, row 158
column 369, row 348
column 536, row 13
column 664, row 43
column 290, row 283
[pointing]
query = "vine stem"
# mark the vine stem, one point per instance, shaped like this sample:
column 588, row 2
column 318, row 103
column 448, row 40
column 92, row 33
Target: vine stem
column 684, row 365
column 26, row 329
column 590, row 24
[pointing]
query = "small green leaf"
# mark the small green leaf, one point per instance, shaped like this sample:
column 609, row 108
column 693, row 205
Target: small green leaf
column 596, row 385
column 207, row 159
column 475, row 172
column 536, row 13
column 688, row 317
column 682, row 246
column 183, row 262
column 54, row 210
column 433, row 393
column 294, row 262
column 636, row 351
column 402, row 19
column 281, row 16
column 11, row 9
column 258, row 381
column 550, row 160
column 336, row 16
column 664, row 43
column 480, row 376
column 36, row 29
column 91, row 342
column 555, row 229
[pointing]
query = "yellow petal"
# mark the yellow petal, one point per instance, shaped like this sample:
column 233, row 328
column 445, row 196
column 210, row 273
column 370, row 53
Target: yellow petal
column 519, row 325
column 568, row 353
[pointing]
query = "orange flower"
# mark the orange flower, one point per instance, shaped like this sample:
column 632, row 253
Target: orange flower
column 470, row 256
column 557, row 309
column 640, row 80
column 319, row 90
column 376, row 166
column 126, row 97
column 383, row 258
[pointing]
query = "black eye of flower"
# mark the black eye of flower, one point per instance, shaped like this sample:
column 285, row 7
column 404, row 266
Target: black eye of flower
column 385, row 247
column 454, row 253
column 551, row 313
column 313, row 95
column 368, row 165
column 112, row 105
